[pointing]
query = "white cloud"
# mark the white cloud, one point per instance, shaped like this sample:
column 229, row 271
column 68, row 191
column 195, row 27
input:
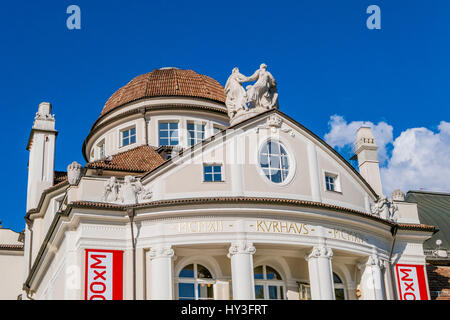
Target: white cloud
column 420, row 157
column 344, row 134
column 420, row 160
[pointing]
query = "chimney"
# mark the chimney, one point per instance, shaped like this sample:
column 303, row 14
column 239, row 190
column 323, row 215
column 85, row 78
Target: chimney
column 41, row 147
column 366, row 152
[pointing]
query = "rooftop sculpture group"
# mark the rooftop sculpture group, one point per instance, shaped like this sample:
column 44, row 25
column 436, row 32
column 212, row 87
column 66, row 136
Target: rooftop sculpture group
column 260, row 96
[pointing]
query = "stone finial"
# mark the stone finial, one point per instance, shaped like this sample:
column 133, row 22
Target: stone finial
column 398, row 195
column 73, row 172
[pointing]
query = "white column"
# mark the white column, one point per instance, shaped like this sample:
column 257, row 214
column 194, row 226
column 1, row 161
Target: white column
column 241, row 255
column 372, row 284
column 162, row 266
column 320, row 273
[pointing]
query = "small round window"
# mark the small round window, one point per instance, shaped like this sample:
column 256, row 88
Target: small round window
column 274, row 161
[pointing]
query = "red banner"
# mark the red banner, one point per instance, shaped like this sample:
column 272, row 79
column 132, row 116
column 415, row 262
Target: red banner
column 411, row 282
column 104, row 275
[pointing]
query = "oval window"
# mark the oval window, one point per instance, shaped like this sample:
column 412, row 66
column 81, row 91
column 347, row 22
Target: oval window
column 274, row 161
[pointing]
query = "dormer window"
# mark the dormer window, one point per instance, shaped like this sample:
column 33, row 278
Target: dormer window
column 128, row 137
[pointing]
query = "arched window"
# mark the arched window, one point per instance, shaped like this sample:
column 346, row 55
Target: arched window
column 274, row 161
column 195, row 282
column 268, row 283
column 339, row 288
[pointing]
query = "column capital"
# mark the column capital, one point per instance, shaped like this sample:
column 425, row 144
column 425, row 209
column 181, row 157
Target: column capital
column 241, row 247
column 161, row 252
column 320, row 251
column 372, row 261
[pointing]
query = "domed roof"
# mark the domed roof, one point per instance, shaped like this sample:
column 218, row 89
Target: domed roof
column 166, row 82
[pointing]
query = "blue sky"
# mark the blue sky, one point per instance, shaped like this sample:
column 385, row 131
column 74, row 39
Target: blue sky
column 324, row 58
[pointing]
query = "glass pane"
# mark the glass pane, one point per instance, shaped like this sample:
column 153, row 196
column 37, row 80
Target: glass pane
column 133, row 131
column 336, row 278
column 190, row 126
column 276, row 175
column 339, row 293
column 173, row 125
column 132, row 139
column 272, row 274
column 208, row 169
column 187, row 272
column 275, row 162
column 125, row 134
column 205, row 291
column 163, row 142
column 258, row 272
column 273, row 292
column 259, row 292
column 217, row 169
column 283, row 151
column 208, row 177
column 203, row 273
column 186, row 291
column 163, row 125
column 163, row 133
column 285, row 162
column 217, row 177
column 264, row 161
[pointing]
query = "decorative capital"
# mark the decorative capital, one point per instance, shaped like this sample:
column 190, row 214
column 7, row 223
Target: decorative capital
column 320, row 252
column 241, row 247
column 161, row 252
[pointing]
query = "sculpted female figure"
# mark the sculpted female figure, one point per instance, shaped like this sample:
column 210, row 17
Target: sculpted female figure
column 236, row 96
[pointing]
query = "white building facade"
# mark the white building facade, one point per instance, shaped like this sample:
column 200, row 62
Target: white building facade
column 193, row 191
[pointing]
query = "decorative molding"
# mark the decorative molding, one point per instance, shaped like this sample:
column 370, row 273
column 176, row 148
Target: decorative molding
column 73, row 173
column 274, row 123
column 241, row 247
column 130, row 192
column 385, row 209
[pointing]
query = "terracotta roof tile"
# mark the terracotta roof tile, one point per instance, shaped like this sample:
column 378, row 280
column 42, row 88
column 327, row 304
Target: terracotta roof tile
column 166, row 82
column 140, row 159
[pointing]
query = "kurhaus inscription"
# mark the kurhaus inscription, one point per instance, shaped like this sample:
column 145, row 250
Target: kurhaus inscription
column 267, row 226
column 283, row 227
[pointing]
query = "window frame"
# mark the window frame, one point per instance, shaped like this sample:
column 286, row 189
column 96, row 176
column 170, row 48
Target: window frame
column 195, row 281
column 291, row 161
column 101, row 146
column 168, row 138
column 265, row 283
column 121, row 138
column 339, row 286
column 337, row 181
column 213, row 164
column 195, row 123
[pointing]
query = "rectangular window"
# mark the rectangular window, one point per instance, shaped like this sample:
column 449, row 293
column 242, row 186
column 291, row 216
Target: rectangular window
column 196, row 132
column 101, row 149
column 329, row 180
column 128, row 137
column 168, row 134
column 212, row 173
column 216, row 130
column 332, row 182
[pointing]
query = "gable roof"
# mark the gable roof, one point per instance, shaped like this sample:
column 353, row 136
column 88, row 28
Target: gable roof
column 262, row 115
column 433, row 209
column 141, row 159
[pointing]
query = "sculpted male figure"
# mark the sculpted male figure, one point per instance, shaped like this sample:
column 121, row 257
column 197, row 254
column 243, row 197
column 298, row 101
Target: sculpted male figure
column 264, row 92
